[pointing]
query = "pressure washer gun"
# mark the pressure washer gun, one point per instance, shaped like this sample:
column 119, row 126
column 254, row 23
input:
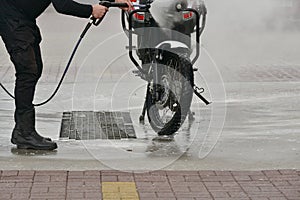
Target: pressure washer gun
column 96, row 22
column 108, row 4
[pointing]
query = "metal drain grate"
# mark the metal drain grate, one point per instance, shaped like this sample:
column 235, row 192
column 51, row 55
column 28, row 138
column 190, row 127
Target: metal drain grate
column 89, row 125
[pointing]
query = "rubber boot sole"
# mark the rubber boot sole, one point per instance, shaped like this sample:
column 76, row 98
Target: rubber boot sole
column 27, row 146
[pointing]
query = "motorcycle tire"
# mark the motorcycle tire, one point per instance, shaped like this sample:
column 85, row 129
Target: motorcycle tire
column 185, row 69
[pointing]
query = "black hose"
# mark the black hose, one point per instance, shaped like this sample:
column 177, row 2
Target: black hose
column 65, row 71
column 63, row 76
column 94, row 21
column 12, row 96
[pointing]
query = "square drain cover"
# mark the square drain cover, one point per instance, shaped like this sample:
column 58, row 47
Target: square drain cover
column 89, row 125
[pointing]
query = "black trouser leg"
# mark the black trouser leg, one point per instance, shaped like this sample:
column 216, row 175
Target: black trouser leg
column 27, row 76
column 22, row 38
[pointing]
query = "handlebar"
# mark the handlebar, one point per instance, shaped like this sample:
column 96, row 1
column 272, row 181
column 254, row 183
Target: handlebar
column 107, row 4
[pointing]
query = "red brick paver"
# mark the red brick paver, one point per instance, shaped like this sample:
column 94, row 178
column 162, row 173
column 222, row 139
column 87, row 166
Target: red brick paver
column 177, row 185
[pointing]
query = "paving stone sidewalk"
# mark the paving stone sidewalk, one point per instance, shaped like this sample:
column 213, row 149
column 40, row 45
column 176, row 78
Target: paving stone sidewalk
column 164, row 185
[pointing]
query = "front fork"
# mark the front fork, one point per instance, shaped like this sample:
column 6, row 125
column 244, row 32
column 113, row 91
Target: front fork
column 156, row 74
column 154, row 87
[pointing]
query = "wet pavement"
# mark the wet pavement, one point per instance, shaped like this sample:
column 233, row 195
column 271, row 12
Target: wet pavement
column 253, row 123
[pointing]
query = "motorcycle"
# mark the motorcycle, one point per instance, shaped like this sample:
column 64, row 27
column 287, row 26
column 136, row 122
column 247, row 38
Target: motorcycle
column 168, row 70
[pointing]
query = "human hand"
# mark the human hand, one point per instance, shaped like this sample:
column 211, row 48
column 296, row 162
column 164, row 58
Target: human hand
column 99, row 11
column 130, row 7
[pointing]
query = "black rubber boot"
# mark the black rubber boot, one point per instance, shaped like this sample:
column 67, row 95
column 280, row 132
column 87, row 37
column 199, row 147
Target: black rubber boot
column 26, row 136
column 17, row 132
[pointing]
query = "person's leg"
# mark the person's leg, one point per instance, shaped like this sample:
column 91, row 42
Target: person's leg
column 17, row 130
column 39, row 65
column 22, row 45
column 26, row 79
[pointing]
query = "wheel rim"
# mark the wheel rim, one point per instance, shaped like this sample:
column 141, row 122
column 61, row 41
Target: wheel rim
column 171, row 86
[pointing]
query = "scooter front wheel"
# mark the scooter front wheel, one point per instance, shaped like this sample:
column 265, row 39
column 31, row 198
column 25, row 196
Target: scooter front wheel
column 167, row 111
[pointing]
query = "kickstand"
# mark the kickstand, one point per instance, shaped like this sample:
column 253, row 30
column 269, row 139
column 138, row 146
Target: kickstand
column 198, row 91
